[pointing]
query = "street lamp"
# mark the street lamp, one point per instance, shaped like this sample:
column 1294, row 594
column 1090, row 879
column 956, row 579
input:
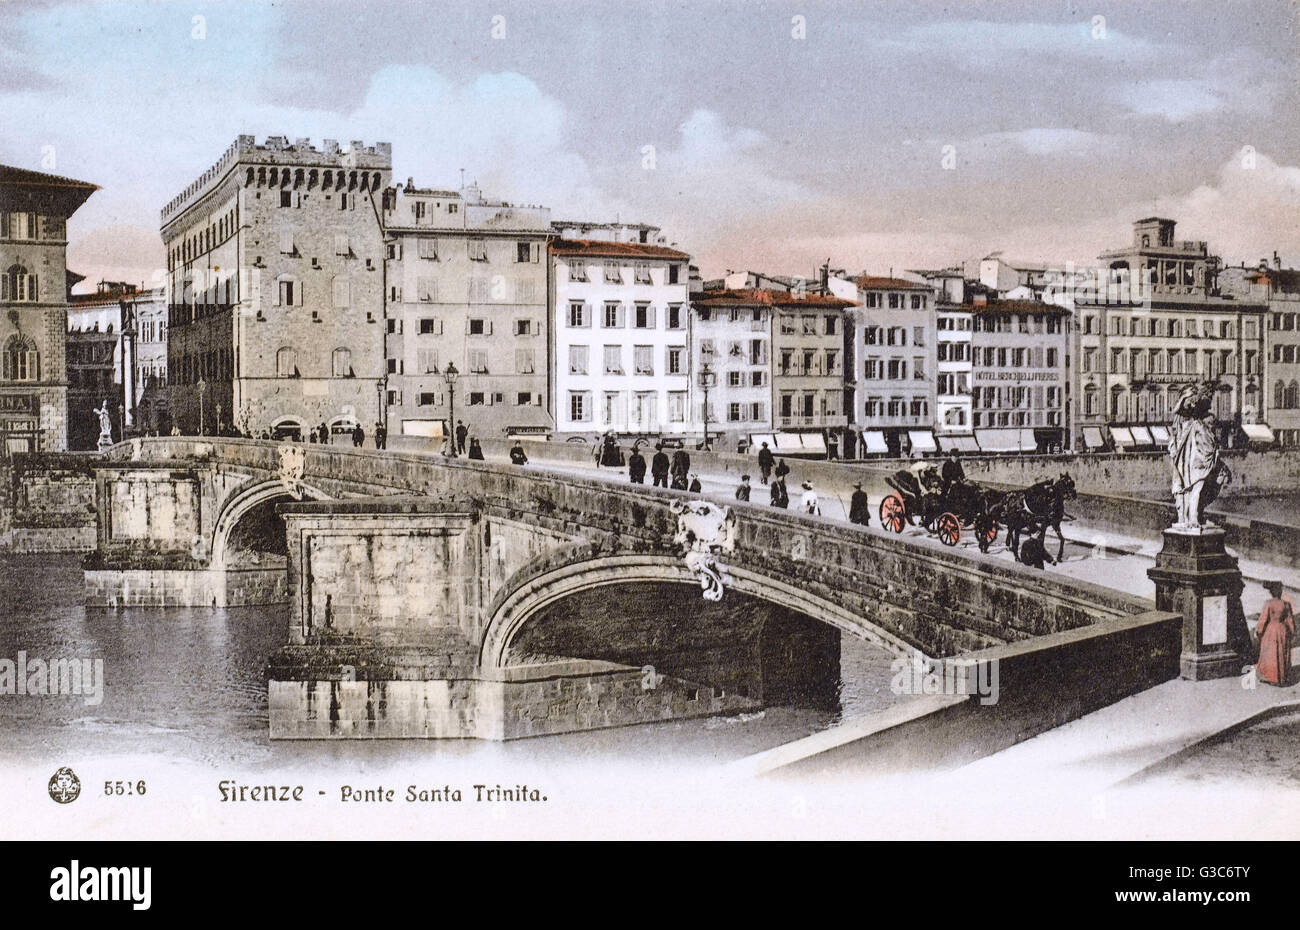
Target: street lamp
column 707, row 380
column 202, row 385
column 450, row 376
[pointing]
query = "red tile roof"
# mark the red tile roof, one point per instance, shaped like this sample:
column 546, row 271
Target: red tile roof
column 753, row 297
column 601, row 249
column 873, row 283
column 12, row 175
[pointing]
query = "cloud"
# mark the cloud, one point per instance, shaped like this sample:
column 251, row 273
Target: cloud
column 1176, row 100
column 983, row 44
column 1044, row 141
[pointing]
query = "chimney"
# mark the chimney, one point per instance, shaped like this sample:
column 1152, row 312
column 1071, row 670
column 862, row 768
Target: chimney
column 1277, row 261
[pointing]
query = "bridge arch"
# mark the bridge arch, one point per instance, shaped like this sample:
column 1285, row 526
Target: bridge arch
column 514, row 611
column 243, row 503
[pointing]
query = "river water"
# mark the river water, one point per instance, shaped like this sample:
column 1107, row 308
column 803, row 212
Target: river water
column 189, row 684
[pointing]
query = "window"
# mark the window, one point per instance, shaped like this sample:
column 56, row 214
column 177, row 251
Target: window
column 286, row 363
column 478, row 361
column 577, row 271
column 342, row 293
column 757, row 378
column 289, row 294
column 677, row 406
column 897, row 369
column 22, row 362
column 524, row 328
column 918, row 302
column 832, row 362
column 871, row 335
column 644, row 317
column 613, row 360
column 809, row 325
column 477, row 250
column 341, row 363
column 787, row 325
column 427, row 361
column 427, row 399
column 674, row 271
column 613, row 316
column 579, row 406
column 577, row 360
column 918, row 335
column 477, row 398
column 733, row 412
column 832, row 324
column 478, row 327
column 427, row 248
column 918, row 368
column 874, row 368
column 675, row 316
column 733, row 379
column 286, row 198
column 19, row 226
column 641, row 272
column 525, row 361
column 286, row 242
column 673, row 363
column 612, row 273
column 578, row 316
column 523, row 252
column 17, row 286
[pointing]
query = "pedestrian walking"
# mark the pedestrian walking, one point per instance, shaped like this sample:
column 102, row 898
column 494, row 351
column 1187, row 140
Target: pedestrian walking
column 313, row 435
column 742, row 492
column 695, row 487
column 325, row 433
column 681, row 466
column 517, row 454
column 475, row 450
column 859, row 506
column 1276, row 631
column 780, row 497
column 636, row 467
column 809, row 501
column 782, row 469
column 358, row 436
column 764, row 463
column 461, row 433
column 659, row 467
column 381, row 436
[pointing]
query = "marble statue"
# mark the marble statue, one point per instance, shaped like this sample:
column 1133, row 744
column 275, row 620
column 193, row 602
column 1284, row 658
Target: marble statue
column 1198, row 472
column 105, row 425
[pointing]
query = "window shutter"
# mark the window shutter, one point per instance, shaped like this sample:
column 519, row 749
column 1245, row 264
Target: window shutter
column 620, row 318
column 651, row 317
column 437, row 326
column 286, row 242
column 487, row 327
column 341, row 245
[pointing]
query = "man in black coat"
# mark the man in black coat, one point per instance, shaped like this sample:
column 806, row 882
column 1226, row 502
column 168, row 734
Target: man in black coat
column 742, row 492
column 659, row 468
column 764, row 463
column 859, row 507
column 952, row 472
column 461, row 433
column 780, row 496
column 636, row 467
column 358, row 436
column 517, row 454
column 681, row 464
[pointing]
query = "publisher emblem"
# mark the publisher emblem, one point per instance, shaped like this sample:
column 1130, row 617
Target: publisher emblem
column 65, row 786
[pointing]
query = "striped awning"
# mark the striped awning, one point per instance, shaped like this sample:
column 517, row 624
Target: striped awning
column 1142, row 436
column 1160, row 435
column 922, row 440
column 1092, row 437
column 874, row 441
column 1122, row 436
column 998, row 440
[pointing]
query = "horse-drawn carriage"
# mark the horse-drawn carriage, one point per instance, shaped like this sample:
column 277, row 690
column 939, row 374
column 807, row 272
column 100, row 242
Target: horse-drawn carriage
column 942, row 508
column 946, row 508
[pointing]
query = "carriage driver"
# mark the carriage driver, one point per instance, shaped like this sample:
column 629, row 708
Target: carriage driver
column 953, row 473
column 926, row 475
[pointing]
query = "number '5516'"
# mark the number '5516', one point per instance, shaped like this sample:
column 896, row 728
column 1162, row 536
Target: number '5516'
column 124, row 787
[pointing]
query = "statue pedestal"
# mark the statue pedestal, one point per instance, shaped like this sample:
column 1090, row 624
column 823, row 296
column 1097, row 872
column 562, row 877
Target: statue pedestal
column 104, row 444
column 1194, row 576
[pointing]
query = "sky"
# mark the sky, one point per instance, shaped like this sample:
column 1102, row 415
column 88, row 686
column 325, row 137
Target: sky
column 768, row 136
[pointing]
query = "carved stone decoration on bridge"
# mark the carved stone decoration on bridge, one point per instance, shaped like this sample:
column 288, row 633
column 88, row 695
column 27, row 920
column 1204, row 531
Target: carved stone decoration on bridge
column 704, row 531
column 293, row 463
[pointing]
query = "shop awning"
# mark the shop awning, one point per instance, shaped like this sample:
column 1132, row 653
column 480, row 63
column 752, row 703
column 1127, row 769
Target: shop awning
column 1257, row 432
column 967, row 444
column 430, row 428
column 922, row 440
column 1122, row 437
column 813, row 442
column 1092, row 437
column 998, row 440
column 874, row 441
column 1160, row 435
column 1028, row 441
column 756, row 441
column 788, row 442
column 1142, row 436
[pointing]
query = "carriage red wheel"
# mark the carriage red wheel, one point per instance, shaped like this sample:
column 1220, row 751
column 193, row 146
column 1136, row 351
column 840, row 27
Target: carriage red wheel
column 892, row 512
column 992, row 532
column 949, row 529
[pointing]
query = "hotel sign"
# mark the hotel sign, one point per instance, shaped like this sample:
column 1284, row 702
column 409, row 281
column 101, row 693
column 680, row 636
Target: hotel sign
column 27, row 405
column 1017, row 376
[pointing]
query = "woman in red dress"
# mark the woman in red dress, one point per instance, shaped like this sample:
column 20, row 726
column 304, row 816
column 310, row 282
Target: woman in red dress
column 1275, row 631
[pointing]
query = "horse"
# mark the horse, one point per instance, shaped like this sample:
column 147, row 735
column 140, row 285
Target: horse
column 1036, row 508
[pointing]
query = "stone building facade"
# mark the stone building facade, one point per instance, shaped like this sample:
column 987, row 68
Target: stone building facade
column 467, row 286
column 731, row 347
column 1279, row 289
column 621, row 325
column 34, row 212
column 275, row 260
column 1159, row 325
column 1019, row 351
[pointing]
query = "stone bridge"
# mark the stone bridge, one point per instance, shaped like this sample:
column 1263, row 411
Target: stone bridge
column 430, row 597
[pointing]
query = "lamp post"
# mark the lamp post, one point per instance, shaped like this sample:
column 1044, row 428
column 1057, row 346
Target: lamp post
column 450, row 376
column 707, row 380
column 202, row 385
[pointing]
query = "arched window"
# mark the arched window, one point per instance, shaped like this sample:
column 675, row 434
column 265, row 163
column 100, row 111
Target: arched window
column 286, row 363
column 17, row 286
column 1117, row 407
column 21, row 360
column 1279, row 395
column 1090, row 401
column 1292, row 396
column 342, row 363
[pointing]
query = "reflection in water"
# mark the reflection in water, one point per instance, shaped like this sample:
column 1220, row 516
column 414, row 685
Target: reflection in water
column 188, row 683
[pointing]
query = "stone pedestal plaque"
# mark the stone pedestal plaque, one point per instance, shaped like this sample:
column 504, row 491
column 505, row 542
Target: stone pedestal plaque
column 1196, row 577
